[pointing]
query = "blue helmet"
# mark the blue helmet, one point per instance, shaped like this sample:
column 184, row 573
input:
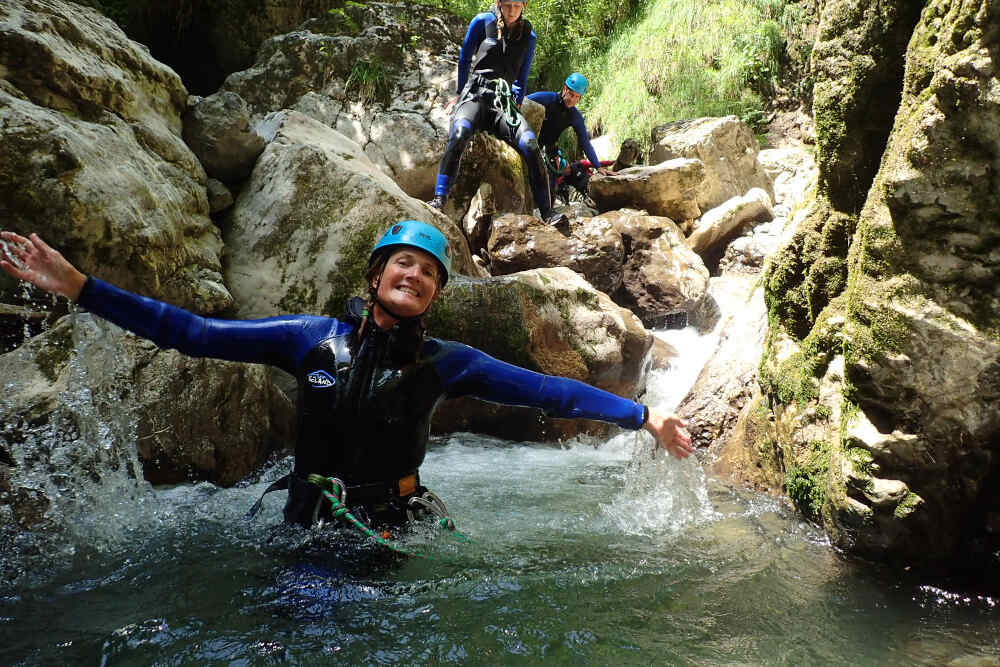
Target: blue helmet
column 418, row 235
column 577, row 83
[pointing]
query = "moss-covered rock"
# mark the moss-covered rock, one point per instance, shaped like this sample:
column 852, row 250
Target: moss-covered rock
column 302, row 230
column 909, row 373
column 91, row 156
column 548, row 320
column 857, row 64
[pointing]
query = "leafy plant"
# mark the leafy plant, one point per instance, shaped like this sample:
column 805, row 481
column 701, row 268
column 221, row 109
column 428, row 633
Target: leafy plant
column 369, row 81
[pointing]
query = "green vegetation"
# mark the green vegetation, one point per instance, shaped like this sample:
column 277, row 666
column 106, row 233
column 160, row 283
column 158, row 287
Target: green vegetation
column 653, row 61
column 369, row 81
column 805, row 483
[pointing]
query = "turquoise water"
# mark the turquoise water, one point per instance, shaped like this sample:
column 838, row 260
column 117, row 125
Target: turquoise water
column 576, row 558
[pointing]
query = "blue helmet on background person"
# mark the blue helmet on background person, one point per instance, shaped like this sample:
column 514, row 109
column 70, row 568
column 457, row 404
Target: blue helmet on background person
column 420, row 235
column 577, row 83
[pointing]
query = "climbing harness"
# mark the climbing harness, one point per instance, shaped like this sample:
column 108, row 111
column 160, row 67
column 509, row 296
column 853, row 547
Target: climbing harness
column 335, row 491
column 503, row 97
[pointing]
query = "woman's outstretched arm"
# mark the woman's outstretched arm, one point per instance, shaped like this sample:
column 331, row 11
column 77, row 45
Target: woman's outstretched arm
column 31, row 259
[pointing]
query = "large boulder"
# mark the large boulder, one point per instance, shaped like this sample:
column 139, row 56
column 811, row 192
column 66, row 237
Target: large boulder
column 668, row 189
column 490, row 161
column 661, row 275
column 377, row 73
column 302, row 228
column 546, row 320
column 726, row 147
column 592, row 248
column 723, row 221
column 218, row 130
column 92, row 159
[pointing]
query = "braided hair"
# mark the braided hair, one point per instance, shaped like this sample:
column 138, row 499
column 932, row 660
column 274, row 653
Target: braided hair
column 510, row 32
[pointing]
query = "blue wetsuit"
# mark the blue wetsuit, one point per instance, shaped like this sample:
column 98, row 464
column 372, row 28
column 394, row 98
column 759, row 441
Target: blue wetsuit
column 486, row 57
column 557, row 118
column 364, row 407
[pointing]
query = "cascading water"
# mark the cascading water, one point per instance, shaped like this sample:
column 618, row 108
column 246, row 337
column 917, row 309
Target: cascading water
column 589, row 552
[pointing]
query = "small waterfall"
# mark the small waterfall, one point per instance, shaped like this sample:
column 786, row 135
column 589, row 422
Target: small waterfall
column 662, row 495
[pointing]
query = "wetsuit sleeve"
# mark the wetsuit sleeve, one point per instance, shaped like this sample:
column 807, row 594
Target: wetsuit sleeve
column 278, row 341
column 473, row 38
column 543, row 97
column 584, row 137
column 521, row 82
column 466, row 371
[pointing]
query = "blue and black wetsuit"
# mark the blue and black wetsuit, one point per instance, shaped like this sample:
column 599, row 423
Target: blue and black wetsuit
column 558, row 117
column 364, row 407
column 486, row 57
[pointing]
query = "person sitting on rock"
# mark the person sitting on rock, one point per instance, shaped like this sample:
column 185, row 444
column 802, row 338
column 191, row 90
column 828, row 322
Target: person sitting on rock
column 561, row 113
column 369, row 381
column 493, row 68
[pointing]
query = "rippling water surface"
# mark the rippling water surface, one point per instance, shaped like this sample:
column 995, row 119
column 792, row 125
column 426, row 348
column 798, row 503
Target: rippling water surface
column 591, row 553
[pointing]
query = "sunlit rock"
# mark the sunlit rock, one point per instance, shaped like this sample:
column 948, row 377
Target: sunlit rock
column 668, row 189
column 378, row 73
column 723, row 221
column 661, row 275
column 303, row 227
column 589, row 246
column 725, row 384
column 726, row 147
column 92, row 159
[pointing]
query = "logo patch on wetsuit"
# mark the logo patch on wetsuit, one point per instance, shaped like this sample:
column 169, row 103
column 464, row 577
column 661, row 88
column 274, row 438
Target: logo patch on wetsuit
column 321, row 379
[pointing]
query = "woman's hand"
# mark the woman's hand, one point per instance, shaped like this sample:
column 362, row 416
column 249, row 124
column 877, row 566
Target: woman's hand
column 670, row 433
column 31, row 259
column 450, row 104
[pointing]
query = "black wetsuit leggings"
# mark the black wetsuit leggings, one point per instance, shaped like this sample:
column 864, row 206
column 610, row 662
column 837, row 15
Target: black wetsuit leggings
column 476, row 112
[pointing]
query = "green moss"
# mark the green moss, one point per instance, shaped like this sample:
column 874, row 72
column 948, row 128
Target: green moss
column 766, row 449
column 487, row 314
column 796, row 378
column 810, row 272
column 347, row 278
column 862, row 460
column 907, row 505
column 806, row 484
column 301, row 297
column 340, row 22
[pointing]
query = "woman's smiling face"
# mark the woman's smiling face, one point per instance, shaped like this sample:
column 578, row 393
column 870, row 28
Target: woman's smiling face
column 409, row 282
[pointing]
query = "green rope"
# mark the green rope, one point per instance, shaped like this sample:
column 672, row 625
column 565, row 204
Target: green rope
column 331, row 490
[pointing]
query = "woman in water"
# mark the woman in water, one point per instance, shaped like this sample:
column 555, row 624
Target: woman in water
column 368, row 381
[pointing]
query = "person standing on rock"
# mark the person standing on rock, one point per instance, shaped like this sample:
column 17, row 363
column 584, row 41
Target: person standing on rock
column 493, row 68
column 561, row 113
column 369, row 381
